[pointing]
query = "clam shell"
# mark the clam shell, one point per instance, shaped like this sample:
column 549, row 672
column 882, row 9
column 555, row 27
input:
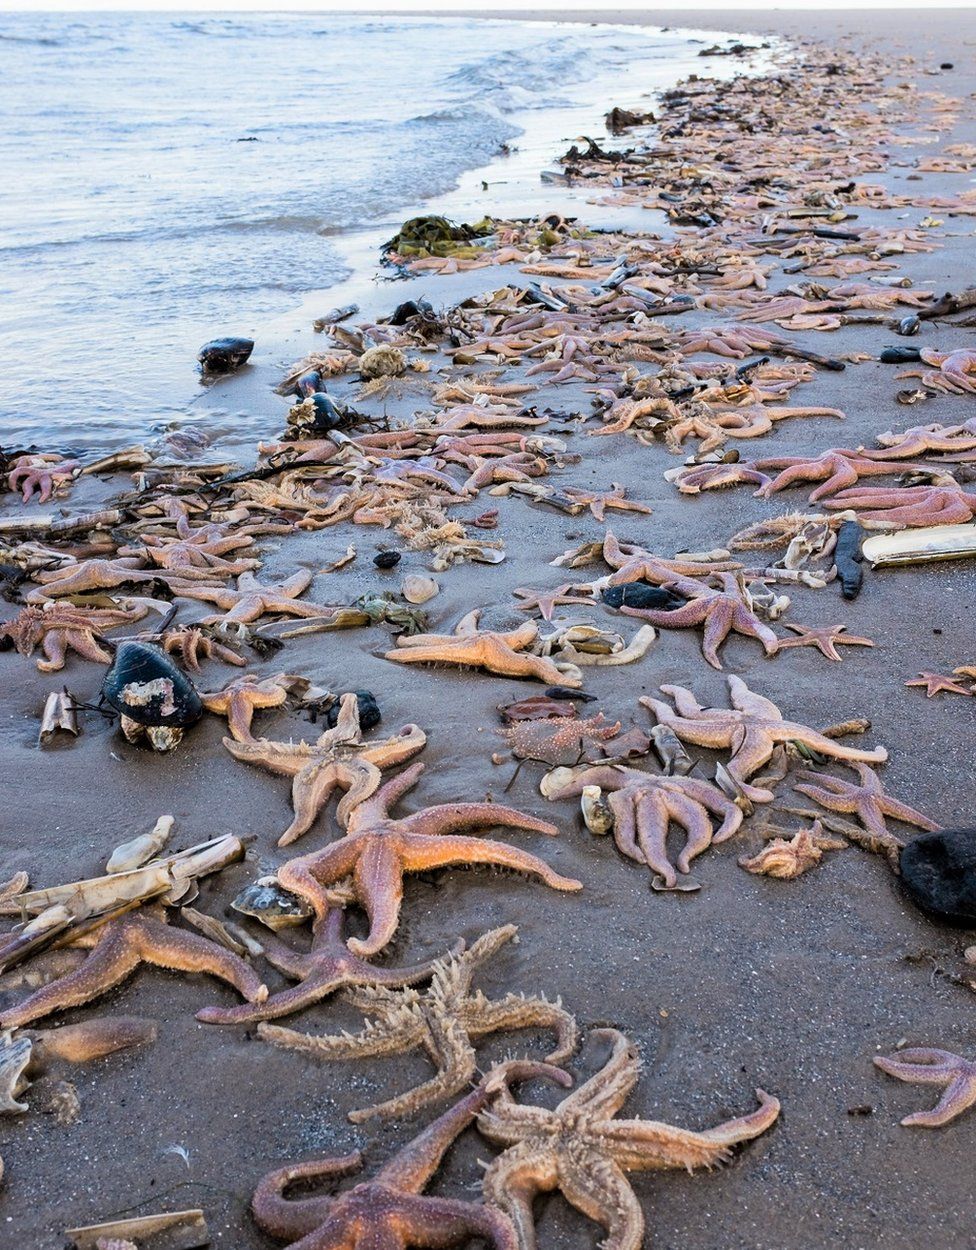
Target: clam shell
column 140, row 850
column 418, row 589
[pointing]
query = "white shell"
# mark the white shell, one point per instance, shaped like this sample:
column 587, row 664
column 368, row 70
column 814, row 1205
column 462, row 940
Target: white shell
column 418, row 589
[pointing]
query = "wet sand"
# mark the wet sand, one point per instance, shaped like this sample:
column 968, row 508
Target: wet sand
column 750, row 982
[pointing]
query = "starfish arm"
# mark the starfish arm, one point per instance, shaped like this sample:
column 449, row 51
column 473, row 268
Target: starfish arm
column 295, row 998
column 441, row 852
column 712, row 799
column 607, row 1091
column 378, row 880
column 922, row 1065
column 283, row 758
column 455, row 1058
column 311, row 789
column 450, row 818
column 688, row 615
column 652, row 835
column 178, row 950
column 377, row 1040
column 745, row 621
column 719, row 622
column 289, row 1219
column 295, row 964
column 753, row 752
column 623, row 807
column 685, row 703
column 412, row 1168
column 360, row 779
column 959, row 1096
column 55, row 647
column 378, row 805
column 596, row 1186
column 514, row 1011
column 512, row 1182
column 108, row 964
column 648, row 1144
column 693, row 818
column 442, row 1222
column 751, row 704
column 907, row 815
column 828, row 746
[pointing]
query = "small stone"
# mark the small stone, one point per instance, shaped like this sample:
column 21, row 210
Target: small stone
column 387, row 559
column 938, row 871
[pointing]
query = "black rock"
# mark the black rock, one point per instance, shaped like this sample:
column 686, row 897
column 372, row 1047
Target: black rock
column 387, row 559
column 369, row 710
column 225, row 355
column 938, row 871
column 641, row 595
column 146, row 686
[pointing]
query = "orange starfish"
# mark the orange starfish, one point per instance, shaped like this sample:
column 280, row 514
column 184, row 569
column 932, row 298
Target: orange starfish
column 825, row 639
column 500, row 653
column 378, row 849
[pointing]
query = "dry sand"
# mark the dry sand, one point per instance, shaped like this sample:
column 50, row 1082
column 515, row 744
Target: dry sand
column 750, row 982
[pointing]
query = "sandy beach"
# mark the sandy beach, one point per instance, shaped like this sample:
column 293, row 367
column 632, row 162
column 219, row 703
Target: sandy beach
column 791, row 986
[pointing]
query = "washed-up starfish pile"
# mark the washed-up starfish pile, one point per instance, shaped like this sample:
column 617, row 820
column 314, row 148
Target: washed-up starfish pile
column 661, row 340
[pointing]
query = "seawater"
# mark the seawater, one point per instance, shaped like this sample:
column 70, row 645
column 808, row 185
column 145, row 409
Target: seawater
column 169, row 178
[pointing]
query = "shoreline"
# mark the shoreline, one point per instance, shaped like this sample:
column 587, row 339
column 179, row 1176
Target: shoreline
column 790, row 985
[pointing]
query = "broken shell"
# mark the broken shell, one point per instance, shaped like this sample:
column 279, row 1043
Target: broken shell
column 271, row 904
column 597, row 815
column 911, row 397
column 140, row 850
column 683, row 885
column 15, row 1055
column 419, row 589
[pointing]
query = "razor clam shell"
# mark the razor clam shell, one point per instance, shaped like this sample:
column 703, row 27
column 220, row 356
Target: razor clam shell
column 918, row 546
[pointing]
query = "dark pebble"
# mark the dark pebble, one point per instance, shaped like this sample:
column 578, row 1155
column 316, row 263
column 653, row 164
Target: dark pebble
column 641, row 595
column 369, row 710
column 938, row 871
column 387, row 559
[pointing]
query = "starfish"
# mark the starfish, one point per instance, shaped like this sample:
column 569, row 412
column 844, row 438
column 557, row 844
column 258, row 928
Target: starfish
column 328, row 966
column 251, row 600
column 936, row 683
column 202, row 548
column 598, row 501
column 40, row 472
column 378, row 849
column 546, row 601
column 921, row 439
column 581, row 1149
column 786, row 859
column 834, row 469
column 338, row 760
column 390, row 1210
column 751, row 728
column 561, row 740
column 867, row 801
column 60, row 627
column 643, row 808
column 925, row 1065
column 499, row 653
column 910, row 506
column 825, row 639
column 87, row 575
column 631, row 563
column 444, row 1021
column 720, row 612
column 118, row 948
column 243, row 696
column 191, row 642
